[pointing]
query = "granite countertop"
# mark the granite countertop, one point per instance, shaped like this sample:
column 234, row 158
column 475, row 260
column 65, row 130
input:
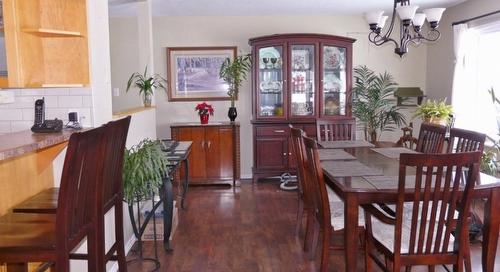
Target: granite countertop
column 197, row 124
column 19, row 143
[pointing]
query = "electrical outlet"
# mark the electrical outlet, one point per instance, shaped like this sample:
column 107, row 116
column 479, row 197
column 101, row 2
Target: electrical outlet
column 7, row 97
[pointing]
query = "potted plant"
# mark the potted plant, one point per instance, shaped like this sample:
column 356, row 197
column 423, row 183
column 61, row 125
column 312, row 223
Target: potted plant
column 204, row 110
column 372, row 102
column 234, row 73
column 433, row 111
column 146, row 85
column 143, row 170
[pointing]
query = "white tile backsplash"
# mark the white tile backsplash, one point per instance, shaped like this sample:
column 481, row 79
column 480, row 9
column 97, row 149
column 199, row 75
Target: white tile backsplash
column 58, row 102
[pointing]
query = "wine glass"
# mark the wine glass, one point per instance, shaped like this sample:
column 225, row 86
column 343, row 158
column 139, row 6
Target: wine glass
column 266, row 61
column 273, row 61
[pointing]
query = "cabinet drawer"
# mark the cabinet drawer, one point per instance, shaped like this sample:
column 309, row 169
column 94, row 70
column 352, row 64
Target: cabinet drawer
column 273, row 131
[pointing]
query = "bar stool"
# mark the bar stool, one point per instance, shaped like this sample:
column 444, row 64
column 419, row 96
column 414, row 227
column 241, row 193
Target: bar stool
column 111, row 196
column 28, row 237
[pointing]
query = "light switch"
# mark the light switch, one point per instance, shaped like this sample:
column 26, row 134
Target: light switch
column 116, row 91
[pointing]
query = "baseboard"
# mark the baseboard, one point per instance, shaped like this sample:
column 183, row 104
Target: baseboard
column 128, row 246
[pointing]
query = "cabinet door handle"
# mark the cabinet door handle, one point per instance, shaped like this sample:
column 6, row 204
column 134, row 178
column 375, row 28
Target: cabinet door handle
column 209, row 144
column 290, row 153
column 279, row 131
column 284, row 154
column 202, row 144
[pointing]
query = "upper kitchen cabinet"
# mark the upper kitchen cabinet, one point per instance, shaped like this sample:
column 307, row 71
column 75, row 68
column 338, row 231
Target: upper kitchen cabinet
column 46, row 43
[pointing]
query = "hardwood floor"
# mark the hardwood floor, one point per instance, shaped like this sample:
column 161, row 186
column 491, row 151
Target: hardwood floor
column 248, row 228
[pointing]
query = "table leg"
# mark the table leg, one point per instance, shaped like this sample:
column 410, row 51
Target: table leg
column 351, row 236
column 491, row 228
column 186, row 182
column 168, row 208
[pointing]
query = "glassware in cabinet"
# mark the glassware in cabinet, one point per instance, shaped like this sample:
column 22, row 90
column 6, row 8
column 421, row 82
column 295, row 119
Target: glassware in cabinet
column 270, row 81
column 302, row 74
column 334, row 80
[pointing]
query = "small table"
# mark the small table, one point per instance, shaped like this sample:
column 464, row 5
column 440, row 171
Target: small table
column 355, row 191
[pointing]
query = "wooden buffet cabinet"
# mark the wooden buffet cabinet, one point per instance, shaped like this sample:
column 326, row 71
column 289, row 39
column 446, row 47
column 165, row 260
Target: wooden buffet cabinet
column 297, row 79
column 215, row 153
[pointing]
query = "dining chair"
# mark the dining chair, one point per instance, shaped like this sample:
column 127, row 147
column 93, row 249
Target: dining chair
column 111, row 189
column 431, row 138
column 336, row 129
column 298, row 151
column 430, row 228
column 462, row 140
column 325, row 215
column 28, row 237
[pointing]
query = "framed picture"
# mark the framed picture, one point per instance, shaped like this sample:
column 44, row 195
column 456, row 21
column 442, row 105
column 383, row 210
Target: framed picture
column 193, row 73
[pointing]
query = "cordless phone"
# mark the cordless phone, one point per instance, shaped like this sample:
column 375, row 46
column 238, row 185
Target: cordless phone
column 41, row 125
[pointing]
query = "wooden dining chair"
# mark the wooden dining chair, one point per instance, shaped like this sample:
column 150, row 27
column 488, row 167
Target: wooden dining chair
column 336, row 129
column 26, row 237
column 431, row 138
column 298, row 151
column 325, row 215
column 462, row 140
column 440, row 238
column 111, row 189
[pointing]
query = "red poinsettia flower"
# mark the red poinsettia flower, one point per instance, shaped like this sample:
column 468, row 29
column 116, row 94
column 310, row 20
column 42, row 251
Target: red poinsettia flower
column 204, row 108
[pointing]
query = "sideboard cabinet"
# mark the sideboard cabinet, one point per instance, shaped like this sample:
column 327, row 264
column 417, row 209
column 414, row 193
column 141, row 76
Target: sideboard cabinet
column 296, row 79
column 215, row 153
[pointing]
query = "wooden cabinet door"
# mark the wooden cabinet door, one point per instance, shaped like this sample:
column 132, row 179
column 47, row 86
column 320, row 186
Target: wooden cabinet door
column 272, row 153
column 197, row 160
column 219, row 152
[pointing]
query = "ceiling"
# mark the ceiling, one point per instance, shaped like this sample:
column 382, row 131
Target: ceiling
column 126, row 8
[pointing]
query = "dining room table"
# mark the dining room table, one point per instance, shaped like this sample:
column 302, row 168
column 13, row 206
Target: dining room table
column 376, row 180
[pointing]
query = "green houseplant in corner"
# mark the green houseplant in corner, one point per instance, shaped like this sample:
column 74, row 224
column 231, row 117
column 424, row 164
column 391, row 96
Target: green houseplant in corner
column 146, row 85
column 234, row 72
column 143, row 170
column 436, row 112
column 373, row 105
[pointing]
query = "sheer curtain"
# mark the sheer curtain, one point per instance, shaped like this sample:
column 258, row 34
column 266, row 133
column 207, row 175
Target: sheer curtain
column 477, row 62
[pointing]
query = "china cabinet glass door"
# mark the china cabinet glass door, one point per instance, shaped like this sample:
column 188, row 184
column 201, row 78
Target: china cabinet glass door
column 270, row 82
column 302, row 87
column 334, row 81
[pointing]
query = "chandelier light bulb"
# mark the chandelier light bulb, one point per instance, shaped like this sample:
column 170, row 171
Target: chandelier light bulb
column 406, row 12
column 419, row 19
column 381, row 22
column 373, row 18
column 434, row 14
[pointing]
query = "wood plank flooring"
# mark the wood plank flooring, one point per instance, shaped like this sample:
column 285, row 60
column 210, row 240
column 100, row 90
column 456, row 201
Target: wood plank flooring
column 248, row 228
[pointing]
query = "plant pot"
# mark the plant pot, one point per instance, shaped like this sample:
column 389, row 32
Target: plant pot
column 232, row 113
column 436, row 120
column 204, row 119
column 147, row 100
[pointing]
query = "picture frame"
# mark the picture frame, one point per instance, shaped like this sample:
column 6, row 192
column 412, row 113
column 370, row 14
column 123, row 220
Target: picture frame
column 193, row 73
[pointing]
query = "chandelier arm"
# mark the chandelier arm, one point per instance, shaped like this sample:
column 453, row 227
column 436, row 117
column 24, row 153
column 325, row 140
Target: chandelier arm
column 379, row 40
column 419, row 38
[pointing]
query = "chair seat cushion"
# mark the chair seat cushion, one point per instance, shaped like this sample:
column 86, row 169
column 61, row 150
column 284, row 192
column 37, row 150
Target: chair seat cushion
column 23, row 232
column 337, row 211
column 384, row 233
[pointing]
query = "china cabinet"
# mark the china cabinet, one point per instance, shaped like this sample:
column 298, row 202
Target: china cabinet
column 297, row 79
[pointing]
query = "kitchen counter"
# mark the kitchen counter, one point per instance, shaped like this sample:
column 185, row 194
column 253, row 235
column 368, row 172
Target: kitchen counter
column 20, row 143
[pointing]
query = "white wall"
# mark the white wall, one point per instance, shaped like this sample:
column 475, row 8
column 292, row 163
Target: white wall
column 235, row 31
column 440, row 58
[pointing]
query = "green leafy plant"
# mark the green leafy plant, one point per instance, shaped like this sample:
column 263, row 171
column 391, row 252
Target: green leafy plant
column 234, row 73
column 146, row 84
column 434, row 109
column 143, row 169
column 373, row 104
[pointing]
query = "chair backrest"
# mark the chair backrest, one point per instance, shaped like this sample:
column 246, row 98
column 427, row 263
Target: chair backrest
column 462, row 140
column 437, row 194
column 113, row 162
column 299, row 153
column 316, row 183
column 82, row 172
column 336, row 129
column 431, row 138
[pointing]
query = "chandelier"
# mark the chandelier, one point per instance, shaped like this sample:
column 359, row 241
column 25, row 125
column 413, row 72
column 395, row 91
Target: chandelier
column 411, row 25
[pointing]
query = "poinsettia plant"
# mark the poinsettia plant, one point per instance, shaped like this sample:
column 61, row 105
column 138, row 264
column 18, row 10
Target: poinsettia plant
column 204, row 108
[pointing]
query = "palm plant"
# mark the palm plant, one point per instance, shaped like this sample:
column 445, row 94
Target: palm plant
column 373, row 105
column 146, row 84
column 144, row 166
column 234, row 73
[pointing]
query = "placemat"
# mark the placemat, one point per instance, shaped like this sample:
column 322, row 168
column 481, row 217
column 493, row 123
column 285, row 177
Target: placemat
column 349, row 169
column 391, row 182
column 334, row 155
column 344, row 144
column 393, row 152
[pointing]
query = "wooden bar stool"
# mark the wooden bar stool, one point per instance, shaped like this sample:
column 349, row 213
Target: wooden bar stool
column 26, row 237
column 112, row 195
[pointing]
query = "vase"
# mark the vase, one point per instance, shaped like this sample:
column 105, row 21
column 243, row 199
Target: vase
column 232, row 113
column 204, row 119
column 147, row 100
